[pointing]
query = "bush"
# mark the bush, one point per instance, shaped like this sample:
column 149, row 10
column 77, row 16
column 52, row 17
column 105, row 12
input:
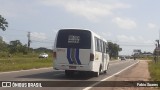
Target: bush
column 3, row 54
column 154, row 69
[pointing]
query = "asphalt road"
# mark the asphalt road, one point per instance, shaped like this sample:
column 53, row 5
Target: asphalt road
column 48, row 74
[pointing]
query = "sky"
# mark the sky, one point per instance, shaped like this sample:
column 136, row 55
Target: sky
column 133, row 24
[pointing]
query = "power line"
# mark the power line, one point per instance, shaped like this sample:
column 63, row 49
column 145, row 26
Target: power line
column 138, row 45
column 41, row 41
column 18, row 29
column 29, row 39
column 132, row 42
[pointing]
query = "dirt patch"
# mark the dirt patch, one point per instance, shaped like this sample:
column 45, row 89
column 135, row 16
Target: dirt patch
column 139, row 72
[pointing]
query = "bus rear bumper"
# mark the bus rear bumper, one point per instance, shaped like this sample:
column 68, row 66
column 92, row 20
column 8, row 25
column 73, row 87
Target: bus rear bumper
column 73, row 67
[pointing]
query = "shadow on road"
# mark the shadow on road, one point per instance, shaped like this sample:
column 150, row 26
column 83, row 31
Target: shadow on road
column 57, row 76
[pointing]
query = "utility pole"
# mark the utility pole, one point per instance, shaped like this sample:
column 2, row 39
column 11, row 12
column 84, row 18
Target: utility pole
column 159, row 34
column 29, row 39
column 157, row 43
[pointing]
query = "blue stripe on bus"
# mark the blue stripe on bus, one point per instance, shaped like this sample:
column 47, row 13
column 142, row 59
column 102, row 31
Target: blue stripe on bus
column 77, row 56
column 68, row 56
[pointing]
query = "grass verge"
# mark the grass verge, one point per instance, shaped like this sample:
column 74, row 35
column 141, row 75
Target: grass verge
column 14, row 64
column 154, row 69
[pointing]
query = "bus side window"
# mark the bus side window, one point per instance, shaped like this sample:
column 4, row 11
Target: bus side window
column 100, row 42
column 100, row 46
column 96, row 44
column 104, row 47
column 107, row 49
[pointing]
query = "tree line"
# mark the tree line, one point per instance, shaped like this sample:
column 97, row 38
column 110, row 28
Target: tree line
column 16, row 47
column 13, row 47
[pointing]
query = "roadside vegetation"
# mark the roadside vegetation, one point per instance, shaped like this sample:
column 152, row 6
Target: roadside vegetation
column 146, row 58
column 16, row 56
column 24, row 62
column 154, row 69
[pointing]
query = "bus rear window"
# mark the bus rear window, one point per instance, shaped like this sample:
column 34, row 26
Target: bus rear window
column 74, row 39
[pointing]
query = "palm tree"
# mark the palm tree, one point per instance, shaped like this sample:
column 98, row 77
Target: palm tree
column 3, row 23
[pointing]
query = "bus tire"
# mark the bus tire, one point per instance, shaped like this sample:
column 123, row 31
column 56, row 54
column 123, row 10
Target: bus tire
column 105, row 71
column 96, row 74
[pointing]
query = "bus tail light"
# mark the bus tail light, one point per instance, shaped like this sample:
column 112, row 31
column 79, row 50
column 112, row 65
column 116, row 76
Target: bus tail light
column 54, row 55
column 91, row 56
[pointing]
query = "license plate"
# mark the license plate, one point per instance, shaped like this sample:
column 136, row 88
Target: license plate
column 72, row 67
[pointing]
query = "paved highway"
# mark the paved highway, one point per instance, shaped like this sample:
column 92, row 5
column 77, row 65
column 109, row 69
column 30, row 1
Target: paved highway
column 48, row 74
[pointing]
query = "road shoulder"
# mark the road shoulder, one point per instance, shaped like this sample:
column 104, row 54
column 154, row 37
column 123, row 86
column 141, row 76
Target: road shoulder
column 138, row 72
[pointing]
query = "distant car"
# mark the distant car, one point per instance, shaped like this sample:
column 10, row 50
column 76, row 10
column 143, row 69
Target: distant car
column 43, row 55
column 123, row 58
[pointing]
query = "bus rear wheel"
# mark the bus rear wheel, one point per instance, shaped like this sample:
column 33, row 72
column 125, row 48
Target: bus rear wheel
column 105, row 71
column 96, row 74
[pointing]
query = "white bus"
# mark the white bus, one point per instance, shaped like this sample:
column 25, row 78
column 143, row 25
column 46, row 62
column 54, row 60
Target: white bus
column 80, row 50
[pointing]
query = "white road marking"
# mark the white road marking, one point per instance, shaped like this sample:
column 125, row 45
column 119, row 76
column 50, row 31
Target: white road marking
column 114, row 60
column 87, row 88
column 119, row 62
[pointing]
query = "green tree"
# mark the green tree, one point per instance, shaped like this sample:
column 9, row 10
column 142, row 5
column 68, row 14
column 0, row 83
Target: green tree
column 3, row 23
column 24, row 49
column 17, row 47
column 13, row 47
column 113, row 49
column 42, row 49
column 3, row 46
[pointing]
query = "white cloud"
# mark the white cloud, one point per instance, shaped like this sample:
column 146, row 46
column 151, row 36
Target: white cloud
column 149, row 42
column 152, row 25
column 143, row 40
column 124, row 23
column 17, row 8
column 38, row 36
column 124, row 38
column 133, row 39
column 106, row 34
column 90, row 9
column 140, row 38
column 5, row 39
column 5, row 13
column 55, row 31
